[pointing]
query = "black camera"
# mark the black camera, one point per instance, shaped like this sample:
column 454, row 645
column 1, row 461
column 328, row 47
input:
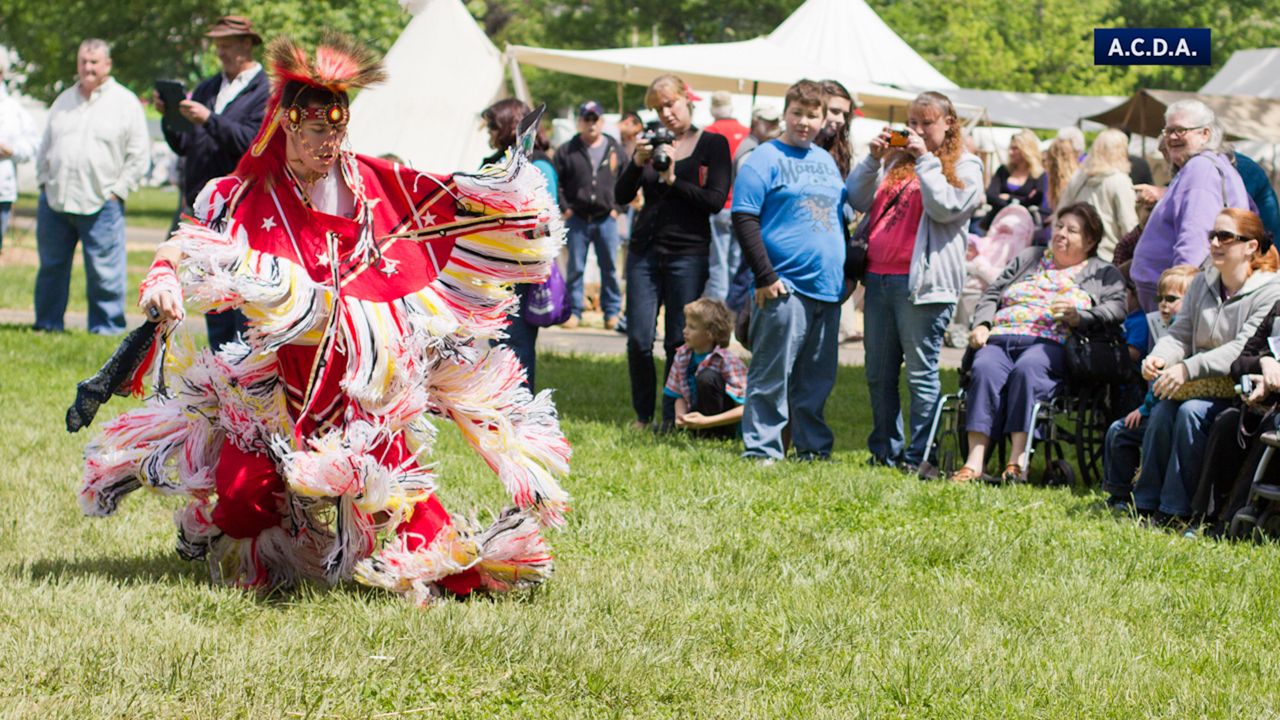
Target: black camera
column 1245, row 387
column 660, row 139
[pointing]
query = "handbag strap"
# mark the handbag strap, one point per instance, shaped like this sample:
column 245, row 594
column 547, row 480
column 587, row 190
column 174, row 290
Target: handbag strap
column 884, row 211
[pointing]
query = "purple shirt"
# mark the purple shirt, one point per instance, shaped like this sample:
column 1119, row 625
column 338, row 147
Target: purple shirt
column 1177, row 232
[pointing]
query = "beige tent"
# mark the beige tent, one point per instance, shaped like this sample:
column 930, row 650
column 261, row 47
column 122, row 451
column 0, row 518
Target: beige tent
column 840, row 39
column 1241, row 117
column 441, row 73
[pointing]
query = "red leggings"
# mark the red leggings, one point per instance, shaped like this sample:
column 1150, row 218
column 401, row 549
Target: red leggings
column 250, row 492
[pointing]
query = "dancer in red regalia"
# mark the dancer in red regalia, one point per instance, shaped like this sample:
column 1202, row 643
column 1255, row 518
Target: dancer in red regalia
column 373, row 292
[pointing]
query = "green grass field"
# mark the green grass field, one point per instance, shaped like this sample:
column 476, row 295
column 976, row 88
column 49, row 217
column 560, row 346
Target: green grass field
column 690, row 584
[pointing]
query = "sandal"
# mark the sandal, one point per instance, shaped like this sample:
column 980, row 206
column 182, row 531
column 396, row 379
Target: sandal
column 1013, row 473
column 965, row 474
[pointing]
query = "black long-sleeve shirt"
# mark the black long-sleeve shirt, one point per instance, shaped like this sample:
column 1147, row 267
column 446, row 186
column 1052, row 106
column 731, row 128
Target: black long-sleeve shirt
column 676, row 219
column 212, row 150
column 1257, row 347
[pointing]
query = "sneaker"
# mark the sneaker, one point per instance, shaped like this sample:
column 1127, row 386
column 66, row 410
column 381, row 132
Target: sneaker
column 1119, row 504
column 572, row 323
column 611, row 323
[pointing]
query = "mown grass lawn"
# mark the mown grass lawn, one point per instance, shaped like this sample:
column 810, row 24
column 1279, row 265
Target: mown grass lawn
column 690, row 584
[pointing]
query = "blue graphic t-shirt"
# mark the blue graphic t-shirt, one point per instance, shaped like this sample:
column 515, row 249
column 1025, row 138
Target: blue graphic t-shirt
column 799, row 195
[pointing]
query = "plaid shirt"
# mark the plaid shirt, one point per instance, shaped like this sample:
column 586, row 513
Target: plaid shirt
column 730, row 367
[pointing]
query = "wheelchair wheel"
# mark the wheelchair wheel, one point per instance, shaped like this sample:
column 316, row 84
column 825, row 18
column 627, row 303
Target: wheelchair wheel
column 1269, row 523
column 1243, row 522
column 1058, row 472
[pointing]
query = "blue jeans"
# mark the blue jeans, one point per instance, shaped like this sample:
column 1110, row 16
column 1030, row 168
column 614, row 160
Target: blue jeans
column 522, row 338
column 105, row 260
column 1121, row 456
column 897, row 330
column 726, row 257
column 5, row 207
column 1172, row 454
column 793, row 370
column 601, row 234
column 653, row 281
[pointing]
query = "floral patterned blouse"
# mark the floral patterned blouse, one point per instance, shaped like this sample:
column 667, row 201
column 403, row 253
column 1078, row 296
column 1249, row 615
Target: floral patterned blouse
column 1025, row 305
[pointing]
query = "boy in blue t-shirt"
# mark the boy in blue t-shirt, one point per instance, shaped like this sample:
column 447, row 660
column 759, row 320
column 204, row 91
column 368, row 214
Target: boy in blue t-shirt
column 707, row 380
column 787, row 211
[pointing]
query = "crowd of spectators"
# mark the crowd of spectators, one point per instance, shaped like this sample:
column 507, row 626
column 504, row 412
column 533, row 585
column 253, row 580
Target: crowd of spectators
column 751, row 226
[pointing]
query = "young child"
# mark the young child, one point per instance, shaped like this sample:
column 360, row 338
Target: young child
column 1122, row 450
column 708, row 381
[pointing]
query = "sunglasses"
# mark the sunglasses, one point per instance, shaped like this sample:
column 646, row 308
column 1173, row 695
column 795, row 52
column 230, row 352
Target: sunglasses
column 1226, row 237
column 1174, row 132
column 1168, row 298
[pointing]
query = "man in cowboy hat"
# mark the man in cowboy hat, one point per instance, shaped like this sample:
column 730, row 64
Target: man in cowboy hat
column 225, row 112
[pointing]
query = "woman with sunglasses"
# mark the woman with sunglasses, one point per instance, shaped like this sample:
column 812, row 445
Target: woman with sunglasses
column 1205, row 182
column 1220, row 312
column 373, row 293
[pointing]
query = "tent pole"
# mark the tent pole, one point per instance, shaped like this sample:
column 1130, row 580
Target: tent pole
column 620, row 108
column 755, row 90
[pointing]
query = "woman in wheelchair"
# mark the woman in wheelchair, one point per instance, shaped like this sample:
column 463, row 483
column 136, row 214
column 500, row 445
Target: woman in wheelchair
column 1019, row 330
column 1189, row 367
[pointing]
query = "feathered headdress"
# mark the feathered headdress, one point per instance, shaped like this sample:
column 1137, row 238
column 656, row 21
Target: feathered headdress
column 339, row 64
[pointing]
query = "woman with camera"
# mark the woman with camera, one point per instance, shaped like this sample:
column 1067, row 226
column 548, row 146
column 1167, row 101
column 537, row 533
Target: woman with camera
column 685, row 175
column 918, row 188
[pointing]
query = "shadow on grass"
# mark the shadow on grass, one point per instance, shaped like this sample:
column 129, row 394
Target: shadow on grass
column 154, row 567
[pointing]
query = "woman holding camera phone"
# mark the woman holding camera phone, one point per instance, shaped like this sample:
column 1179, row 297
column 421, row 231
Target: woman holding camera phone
column 685, row 182
column 918, row 197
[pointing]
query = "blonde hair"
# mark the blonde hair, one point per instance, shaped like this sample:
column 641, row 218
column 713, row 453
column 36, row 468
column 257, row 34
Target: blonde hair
column 1029, row 146
column 1109, row 153
column 714, row 316
column 1061, row 163
column 670, row 83
column 1176, row 279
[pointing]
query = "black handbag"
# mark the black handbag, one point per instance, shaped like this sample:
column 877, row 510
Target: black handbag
column 1100, row 356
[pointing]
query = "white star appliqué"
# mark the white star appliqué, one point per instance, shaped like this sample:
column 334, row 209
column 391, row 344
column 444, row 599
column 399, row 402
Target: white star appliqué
column 268, row 223
column 428, row 219
column 389, row 266
column 322, row 259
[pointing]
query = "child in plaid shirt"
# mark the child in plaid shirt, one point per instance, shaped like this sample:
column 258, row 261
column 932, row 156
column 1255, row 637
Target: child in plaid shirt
column 708, row 381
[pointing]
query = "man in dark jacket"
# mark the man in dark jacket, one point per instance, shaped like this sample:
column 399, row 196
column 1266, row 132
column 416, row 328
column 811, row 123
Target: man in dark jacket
column 587, row 167
column 225, row 112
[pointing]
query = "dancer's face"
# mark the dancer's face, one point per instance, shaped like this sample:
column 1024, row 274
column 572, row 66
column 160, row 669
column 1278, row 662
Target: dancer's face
column 315, row 144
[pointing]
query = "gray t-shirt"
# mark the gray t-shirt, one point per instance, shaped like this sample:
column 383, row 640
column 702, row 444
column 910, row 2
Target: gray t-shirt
column 597, row 152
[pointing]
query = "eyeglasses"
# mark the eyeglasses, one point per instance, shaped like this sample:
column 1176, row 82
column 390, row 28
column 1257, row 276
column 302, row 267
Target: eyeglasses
column 1175, row 132
column 1224, row 237
column 1168, row 298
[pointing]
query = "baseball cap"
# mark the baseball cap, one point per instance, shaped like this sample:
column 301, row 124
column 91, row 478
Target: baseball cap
column 768, row 112
column 590, row 107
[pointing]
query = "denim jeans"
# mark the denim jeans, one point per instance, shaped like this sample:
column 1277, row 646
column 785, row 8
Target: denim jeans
column 601, row 234
column 897, row 330
column 1121, row 457
column 726, row 257
column 5, row 207
column 105, row 260
column 655, row 280
column 1172, row 454
column 793, row 370
column 522, row 338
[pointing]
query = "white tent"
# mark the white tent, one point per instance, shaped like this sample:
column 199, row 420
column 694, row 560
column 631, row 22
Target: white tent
column 840, row 39
column 442, row 72
column 1255, row 73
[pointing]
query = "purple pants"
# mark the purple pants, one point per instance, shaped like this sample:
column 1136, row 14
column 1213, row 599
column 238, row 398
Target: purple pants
column 1011, row 373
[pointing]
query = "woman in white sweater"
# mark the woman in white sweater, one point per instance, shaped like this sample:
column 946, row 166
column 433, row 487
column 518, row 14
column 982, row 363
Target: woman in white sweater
column 1103, row 182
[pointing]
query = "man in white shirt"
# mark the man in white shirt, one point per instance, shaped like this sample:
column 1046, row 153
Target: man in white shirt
column 94, row 152
column 225, row 112
column 18, row 140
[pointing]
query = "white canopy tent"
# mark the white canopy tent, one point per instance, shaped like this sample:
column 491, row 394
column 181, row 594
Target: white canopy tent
column 839, row 39
column 442, row 73
column 1255, row 73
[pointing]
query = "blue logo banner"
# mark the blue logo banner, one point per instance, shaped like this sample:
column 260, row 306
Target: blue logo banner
column 1151, row 46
